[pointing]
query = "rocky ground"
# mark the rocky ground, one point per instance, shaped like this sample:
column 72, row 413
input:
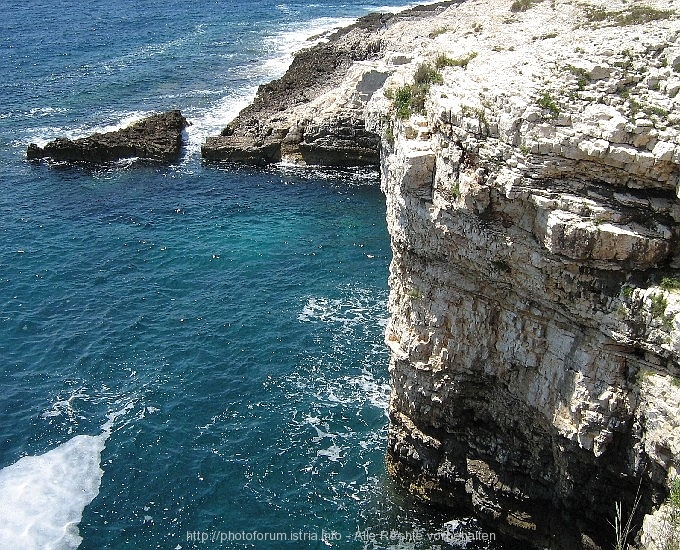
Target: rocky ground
column 288, row 119
column 157, row 137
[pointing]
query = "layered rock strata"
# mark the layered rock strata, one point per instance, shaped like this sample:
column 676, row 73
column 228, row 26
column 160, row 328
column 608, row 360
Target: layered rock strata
column 315, row 113
column 157, row 137
column 533, row 212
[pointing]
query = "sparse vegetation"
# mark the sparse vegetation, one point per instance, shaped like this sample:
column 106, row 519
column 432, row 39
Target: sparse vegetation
column 523, row 5
column 653, row 110
column 674, row 496
column 670, row 284
column 659, row 304
column 403, row 102
column 426, row 74
column 414, row 294
column 627, row 291
column 623, row 529
column 476, row 112
column 636, row 15
column 389, row 136
column 643, row 14
column 546, row 101
column 580, row 73
column 435, row 33
column 410, row 99
column 455, row 189
column 445, row 61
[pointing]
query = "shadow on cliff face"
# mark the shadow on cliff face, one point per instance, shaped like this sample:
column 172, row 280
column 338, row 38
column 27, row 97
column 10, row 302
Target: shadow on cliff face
column 500, row 461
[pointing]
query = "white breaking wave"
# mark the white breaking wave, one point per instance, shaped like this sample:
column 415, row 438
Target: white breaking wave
column 42, row 498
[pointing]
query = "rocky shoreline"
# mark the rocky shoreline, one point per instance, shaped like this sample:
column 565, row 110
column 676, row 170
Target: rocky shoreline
column 287, row 119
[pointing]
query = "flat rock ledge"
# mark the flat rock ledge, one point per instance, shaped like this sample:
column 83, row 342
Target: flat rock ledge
column 157, row 137
column 309, row 116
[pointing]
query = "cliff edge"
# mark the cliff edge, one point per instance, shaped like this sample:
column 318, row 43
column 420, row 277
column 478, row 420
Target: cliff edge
column 530, row 165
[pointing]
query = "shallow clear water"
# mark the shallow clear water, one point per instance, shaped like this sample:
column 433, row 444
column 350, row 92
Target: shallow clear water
column 191, row 350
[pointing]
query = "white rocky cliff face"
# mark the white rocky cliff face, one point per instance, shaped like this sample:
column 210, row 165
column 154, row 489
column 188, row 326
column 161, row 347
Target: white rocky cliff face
column 533, row 210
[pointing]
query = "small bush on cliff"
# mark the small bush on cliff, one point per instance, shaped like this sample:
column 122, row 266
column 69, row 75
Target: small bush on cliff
column 523, row 5
column 581, row 74
column 627, row 291
column 435, row 33
column 674, row 497
column 546, row 101
column 670, row 284
column 389, row 136
column 445, row 61
column 426, row 74
column 659, row 305
column 410, row 99
column 636, row 15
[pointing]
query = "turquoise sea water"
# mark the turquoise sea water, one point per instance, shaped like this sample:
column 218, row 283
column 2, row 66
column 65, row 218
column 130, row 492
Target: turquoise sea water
column 190, row 356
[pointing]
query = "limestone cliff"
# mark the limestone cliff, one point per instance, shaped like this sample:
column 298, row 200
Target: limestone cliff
column 529, row 156
column 533, row 215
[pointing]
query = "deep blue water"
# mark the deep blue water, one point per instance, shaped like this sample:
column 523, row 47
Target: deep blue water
column 194, row 349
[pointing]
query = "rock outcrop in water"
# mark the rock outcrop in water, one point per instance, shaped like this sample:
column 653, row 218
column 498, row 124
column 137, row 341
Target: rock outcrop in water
column 157, row 137
column 534, row 216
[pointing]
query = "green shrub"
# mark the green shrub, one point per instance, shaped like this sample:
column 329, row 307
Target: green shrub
column 643, row 14
column 410, row 98
column 403, row 99
column 546, row 101
column 435, row 33
column 427, row 74
column 522, row 5
column 627, row 291
column 636, row 15
column 581, row 74
column 659, row 305
column 670, row 284
column 674, row 497
column 445, row 61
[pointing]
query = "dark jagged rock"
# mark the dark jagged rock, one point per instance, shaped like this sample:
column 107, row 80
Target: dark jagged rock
column 278, row 124
column 157, row 137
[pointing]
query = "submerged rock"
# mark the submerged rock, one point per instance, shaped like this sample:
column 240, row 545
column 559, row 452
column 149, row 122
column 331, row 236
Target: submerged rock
column 157, row 137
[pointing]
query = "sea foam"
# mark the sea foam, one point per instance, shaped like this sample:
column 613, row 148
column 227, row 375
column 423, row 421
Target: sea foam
column 42, row 497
